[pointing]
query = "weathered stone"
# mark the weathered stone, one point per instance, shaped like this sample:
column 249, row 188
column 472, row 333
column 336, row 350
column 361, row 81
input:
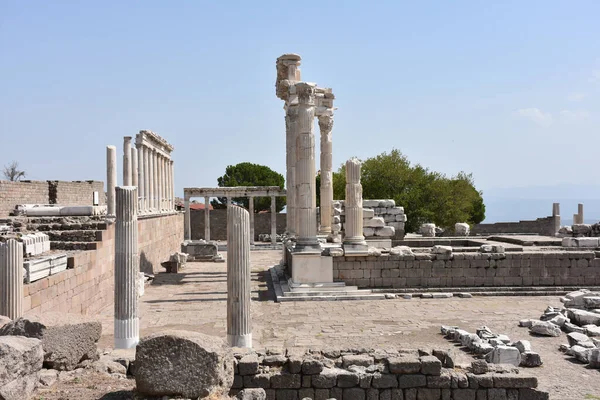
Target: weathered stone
column 412, row 381
column 19, row 357
column 248, row 365
column 286, row 381
column 354, row 394
column 404, row 365
column 569, row 327
column 480, row 367
column 583, row 317
column 48, row 377
column 4, row 320
column 595, row 358
column 312, row 367
column 428, row 394
column 523, row 345
column 496, row 394
column 515, row 381
column 445, row 358
column 20, row 388
column 545, row 328
column 559, row 320
column 362, row 360
column 463, row 394
column 592, row 330
column 431, row 365
column 442, row 381
column 401, row 250
column 575, row 338
column 346, row 379
column 188, row 364
column 530, row 359
column 276, row 360
column 532, row 394
column 437, row 249
column 325, row 380
column 67, row 339
column 582, row 354
column 257, row 381
column 384, row 381
column 252, row 394
column 526, row 323
column 504, row 355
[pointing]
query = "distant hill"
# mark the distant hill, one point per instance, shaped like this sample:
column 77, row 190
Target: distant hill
column 527, row 203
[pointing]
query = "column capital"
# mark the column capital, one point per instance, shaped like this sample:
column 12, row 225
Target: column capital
column 306, row 93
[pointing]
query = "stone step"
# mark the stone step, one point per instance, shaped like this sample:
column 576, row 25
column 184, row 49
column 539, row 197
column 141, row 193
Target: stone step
column 95, row 225
column 336, row 297
column 58, row 245
column 328, row 293
column 534, row 290
column 75, row 236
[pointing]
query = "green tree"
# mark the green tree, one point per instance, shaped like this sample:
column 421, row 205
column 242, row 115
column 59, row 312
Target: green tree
column 427, row 196
column 248, row 174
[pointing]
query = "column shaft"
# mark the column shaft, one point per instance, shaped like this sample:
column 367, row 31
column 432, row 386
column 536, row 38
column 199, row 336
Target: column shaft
column 273, row 220
column 239, row 322
column 306, row 210
column 187, row 221
column 127, row 161
column 291, row 124
column 172, row 185
column 111, row 179
column 154, row 181
column 126, row 269
column 326, row 189
column 147, row 175
column 207, row 218
column 354, row 209
column 134, row 167
column 141, row 183
column 159, row 176
column 251, row 212
column 580, row 213
column 11, row 279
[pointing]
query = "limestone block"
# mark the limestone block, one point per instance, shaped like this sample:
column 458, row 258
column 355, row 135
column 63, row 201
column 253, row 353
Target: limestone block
column 504, row 355
column 591, row 301
column 592, row 330
column 368, row 213
column 569, row 242
column 523, row 345
column 375, row 222
column 530, row 359
column 180, row 363
column 576, row 298
column 428, row 230
column 386, row 231
column 389, row 218
column 581, row 230
column 489, row 248
column 368, row 232
column 461, row 229
column 36, row 269
column 576, row 338
column 401, row 217
column 441, row 250
column 395, row 210
column 370, row 203
column 582, row 317
column 582, row 354
column 401, row 250
column 20, row 357
column 587, row 242
column 545, row 328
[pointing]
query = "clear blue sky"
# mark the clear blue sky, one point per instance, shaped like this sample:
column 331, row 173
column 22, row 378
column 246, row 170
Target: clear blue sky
column 509, row 91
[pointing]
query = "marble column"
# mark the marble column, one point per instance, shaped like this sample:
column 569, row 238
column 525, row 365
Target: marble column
column 354, row 239
column 134, row 167
column 11, row 279
column 207, row 218
column 141, row 187
column 556, row 217
column 127, row 161
column 172, row 185
column 580, row 213
column 126, row 269
column 168, row 187
column 306, row 208
column 326, row 125
column 291, row 120
column 159, row 175
column 111, row 179
column 187, row 234
column 150, row 179
column 273, row 220
column 251, row 212
column 155, row 206
column 239, row 322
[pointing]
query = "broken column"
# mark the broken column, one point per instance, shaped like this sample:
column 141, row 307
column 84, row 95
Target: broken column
column 111, row 179
column 326, row 125
column 306, row 209
column 251, row 212
column 580, row 214
column 206, row 218
column 11, row 279
column 127, row 328
column 127, row 161
column 288, row 73
column 556, row 218
column 187, row 221
column 273, row 220
column 354, row 241
column 239, row 323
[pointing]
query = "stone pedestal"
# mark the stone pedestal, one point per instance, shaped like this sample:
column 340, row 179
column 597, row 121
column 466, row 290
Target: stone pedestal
column 306, row 208
column 126, row 269
column 111, row 179
column 311, row 269
column 239, row 322
column 354, row 241
column 11, row 279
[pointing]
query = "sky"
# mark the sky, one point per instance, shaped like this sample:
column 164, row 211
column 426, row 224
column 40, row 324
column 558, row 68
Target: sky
column 508, row 91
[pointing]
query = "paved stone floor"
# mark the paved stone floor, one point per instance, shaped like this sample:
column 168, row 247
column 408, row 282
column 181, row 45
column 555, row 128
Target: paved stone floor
column 196, row 300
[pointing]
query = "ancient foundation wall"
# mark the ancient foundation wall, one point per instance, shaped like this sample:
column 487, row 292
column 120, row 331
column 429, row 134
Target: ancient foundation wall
column 541, row 226
column 49, row 192
column 377, row 375
column 551, row 268
column 218, row 224
column 87, row 285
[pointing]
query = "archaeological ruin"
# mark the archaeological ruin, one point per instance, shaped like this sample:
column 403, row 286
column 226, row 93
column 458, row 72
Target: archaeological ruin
column 332, row 302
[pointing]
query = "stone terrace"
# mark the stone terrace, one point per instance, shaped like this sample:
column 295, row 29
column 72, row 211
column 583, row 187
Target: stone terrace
column 196, row 300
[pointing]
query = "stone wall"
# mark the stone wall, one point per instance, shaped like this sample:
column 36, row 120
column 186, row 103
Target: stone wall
column 87, row 285
column 218, row 224
column 541, row 226
column 550, row 268
column 48, row 192
column 390, row 375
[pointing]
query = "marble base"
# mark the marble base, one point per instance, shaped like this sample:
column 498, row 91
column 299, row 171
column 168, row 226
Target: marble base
column 311, row 268
column 356, row 249
column 240, row 340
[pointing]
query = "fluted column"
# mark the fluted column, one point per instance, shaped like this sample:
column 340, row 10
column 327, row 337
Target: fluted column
column 111, row 179
column 168, row 187
column 251, row 211
column 306, row 208
column 354, row 211
column 326, row 125
column 127, row 161
column 154, row 181
column 273, row 220
column 134, row 167
column 141, row 183
column 187, row 226
column 207, row 218
column 147, row 177
column 126, row 269
column 11, row 279
column 172, row 185
column 291, row 124
column 239, row 322
column 159, row 174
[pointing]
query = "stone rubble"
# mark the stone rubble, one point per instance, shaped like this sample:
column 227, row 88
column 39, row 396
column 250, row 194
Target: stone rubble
column 381, row 218
column 495, row 348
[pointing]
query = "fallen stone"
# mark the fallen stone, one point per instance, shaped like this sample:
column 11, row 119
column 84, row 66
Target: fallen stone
column 592, row 330
column 445, row 358
column 504, row 339
column 583, row 317
column 530, row 359
column 441, row 250
column 504, row 355
column 523, row 345
column 20, row 388
column 401, row 250
column 469, row 340
column 480, row 367
column 580, row 353
column 252, row 394
column 465, row 295
column 407, row 296
column 48, row 377
column 4, row 320
column 559, row 320
column 427, row 296
column 108, row 365
column 180, row 363
column 526, row 323
column 595, row 358
column 390, row 296
column 67, row 339
column 21, row 360
column 588, row 302
column 569, row 327
column 545, row 328
column 482, row 348
column 445, row 329
column 442, row 295
column 574, row 299
column 576, row 337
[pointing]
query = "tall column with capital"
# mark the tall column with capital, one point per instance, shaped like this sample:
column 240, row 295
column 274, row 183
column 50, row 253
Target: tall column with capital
column 354, row 241
column 147, row 175
column 306, row 208
column 127, row 161
column 326, row 198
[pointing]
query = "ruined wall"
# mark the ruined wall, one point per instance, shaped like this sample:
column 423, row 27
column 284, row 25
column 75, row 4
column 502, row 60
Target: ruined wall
column 48, row 192
column 358, row 375
column 541, row 226
column 218, row 224
column 88, row 285
column 556, row 268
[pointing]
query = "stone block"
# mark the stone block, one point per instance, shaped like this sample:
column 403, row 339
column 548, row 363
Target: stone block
column 286, row 381
column 384, row 381
column 530, row 359
column 325, row 380
column 515, row 381
column 412, row 381
column 532, row 394
column 504, row 355
column 497, row 394
column 429, row 394
column 252, row 394
column 404, row 365
column 464, row 394
column 442, row 381
column 257, row 381
column 375, row 222
column 312, row 367
column 353, row 394
column 306, row 393
column 248, row 365
column 347, row 379
column 431, row 365
column 361, row 360
column 437, row 249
